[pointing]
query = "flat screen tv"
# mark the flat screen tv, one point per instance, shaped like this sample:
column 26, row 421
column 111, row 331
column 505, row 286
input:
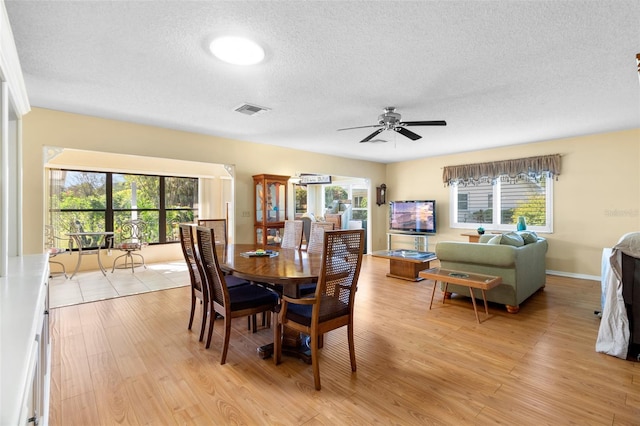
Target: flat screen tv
column 415, row 216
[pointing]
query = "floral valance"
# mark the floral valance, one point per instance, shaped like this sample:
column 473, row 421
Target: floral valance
column 507, row 170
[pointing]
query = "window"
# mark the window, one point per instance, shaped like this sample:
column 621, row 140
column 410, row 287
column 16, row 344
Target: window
column 301, row 198
column 498, row 205
column 100, row 200
column 463, row 201
column 338, row 197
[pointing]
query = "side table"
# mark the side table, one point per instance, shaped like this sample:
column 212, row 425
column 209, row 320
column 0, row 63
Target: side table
column 446, row 276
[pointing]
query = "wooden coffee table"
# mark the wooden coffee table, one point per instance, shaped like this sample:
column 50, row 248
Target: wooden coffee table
column 405, row 264
column 483, row 282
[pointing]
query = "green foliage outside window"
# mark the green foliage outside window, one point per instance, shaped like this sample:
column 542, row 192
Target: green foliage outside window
column 80, row 199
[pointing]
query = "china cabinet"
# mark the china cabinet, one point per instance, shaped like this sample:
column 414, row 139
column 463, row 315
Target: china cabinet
column 270, row 195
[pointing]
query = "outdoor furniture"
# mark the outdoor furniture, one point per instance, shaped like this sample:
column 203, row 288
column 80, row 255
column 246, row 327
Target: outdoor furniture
column 130, row 239
column 54, row 246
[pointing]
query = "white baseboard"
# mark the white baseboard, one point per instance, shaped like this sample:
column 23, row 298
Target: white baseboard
column 572, row 275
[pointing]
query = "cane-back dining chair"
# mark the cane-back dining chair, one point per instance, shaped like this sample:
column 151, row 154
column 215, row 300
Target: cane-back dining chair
column 316, row 237
column 199, row 291
column 292, row 237
column 54, row 246
column 228, row 302
column 131, row 237
column 219, row 227
column 331, row 306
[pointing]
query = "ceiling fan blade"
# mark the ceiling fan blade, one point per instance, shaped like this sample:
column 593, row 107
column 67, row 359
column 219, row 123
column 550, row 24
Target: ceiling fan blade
column 423, row 123
column 360, row 127
column 407, row 133
column 372, row 135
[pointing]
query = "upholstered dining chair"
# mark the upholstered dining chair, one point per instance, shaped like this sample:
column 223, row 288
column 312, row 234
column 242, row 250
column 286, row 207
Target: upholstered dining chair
column 316, row 237
column 219, row 227
column 130, row 239
column 198, row 290
column 331, row 306
column 54, row 246
column 292, row 237
column 228, row 302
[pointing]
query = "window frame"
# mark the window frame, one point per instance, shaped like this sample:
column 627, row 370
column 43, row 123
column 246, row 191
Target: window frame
column 495, row 195
column 110, row 212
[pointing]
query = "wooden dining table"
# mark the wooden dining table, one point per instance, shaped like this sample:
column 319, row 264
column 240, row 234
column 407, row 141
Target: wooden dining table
column 289, row 268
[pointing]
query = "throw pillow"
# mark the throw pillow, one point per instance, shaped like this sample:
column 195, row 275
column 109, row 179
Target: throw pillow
column 512, row 239
column 495, row 240
column 528, row 237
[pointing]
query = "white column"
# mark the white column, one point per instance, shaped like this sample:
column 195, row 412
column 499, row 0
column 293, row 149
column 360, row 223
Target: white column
column 4, row 181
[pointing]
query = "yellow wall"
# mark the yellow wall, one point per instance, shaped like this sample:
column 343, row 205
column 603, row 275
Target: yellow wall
column 596, row 198
column 42, row 127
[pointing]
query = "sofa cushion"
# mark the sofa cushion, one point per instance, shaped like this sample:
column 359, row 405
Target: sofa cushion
column 512, row 239
column 495, row 239
column 528, row 236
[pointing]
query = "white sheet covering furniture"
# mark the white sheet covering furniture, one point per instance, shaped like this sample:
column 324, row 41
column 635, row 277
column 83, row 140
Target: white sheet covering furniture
column 613, row 335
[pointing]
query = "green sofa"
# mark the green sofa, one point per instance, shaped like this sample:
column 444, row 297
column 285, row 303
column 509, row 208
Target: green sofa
column 522, row 268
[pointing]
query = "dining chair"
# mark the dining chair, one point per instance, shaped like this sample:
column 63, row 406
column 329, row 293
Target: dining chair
column 198, row 290
column 306, row 230
column 228, row 302
column 315, row 245
column 54, row 246
column 292, row 237
column 131, row 237
column 316, row 236
column 220, row 228
column 331, row 306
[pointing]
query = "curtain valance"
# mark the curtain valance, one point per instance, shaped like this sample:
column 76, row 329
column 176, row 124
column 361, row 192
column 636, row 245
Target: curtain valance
column 509, row 170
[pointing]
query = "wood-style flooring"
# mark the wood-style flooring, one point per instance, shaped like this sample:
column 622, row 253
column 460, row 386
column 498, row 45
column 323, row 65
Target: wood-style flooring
column 132, row 360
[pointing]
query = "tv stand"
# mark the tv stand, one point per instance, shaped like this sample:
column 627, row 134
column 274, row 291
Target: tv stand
column 420, row 241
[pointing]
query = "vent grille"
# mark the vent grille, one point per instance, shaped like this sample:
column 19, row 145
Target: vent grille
column 251, row 109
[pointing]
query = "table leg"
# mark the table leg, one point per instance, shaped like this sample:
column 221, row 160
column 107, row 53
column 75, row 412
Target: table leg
column 433, row 293
column 75, row 271
column 486, row 306
column 475, row 308
column 444, row 293
column 100, row 263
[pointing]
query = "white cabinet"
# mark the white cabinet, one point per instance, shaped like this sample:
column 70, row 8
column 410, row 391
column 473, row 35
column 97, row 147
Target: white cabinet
column 25, row 356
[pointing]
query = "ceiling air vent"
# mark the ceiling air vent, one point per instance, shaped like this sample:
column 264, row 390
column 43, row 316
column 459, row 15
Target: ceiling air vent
column 249, row 109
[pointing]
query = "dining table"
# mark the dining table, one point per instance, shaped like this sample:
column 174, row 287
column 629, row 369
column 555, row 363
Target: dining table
column 91, row 242
column 288, row 267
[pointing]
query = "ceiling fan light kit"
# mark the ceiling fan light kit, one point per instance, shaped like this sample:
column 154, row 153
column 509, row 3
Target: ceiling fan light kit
column 391, row 120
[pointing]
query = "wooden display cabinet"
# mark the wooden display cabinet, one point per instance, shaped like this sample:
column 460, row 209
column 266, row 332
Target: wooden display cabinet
column 270, row 195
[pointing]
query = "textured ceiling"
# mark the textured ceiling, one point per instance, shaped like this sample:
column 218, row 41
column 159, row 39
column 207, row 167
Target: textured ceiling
column 500, row 73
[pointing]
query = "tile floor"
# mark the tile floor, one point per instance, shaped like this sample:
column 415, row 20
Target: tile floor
column 90, row 286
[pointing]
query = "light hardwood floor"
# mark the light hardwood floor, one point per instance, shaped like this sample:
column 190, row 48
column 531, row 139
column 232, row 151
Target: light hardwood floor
column 132, row 360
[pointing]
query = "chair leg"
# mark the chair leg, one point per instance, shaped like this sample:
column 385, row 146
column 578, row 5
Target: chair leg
column 211, row 321
column 277, row 339
column 352, row 347
column 205, row 313
column 225, row 344
column 315, row 363
column 64, row 270
column 193, row 310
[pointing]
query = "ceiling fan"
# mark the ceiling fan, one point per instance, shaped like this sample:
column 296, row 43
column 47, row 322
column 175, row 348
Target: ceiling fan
column 390, row 120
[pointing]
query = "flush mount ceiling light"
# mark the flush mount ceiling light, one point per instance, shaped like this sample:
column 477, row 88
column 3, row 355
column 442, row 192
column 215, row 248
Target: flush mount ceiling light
column 237, row 50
